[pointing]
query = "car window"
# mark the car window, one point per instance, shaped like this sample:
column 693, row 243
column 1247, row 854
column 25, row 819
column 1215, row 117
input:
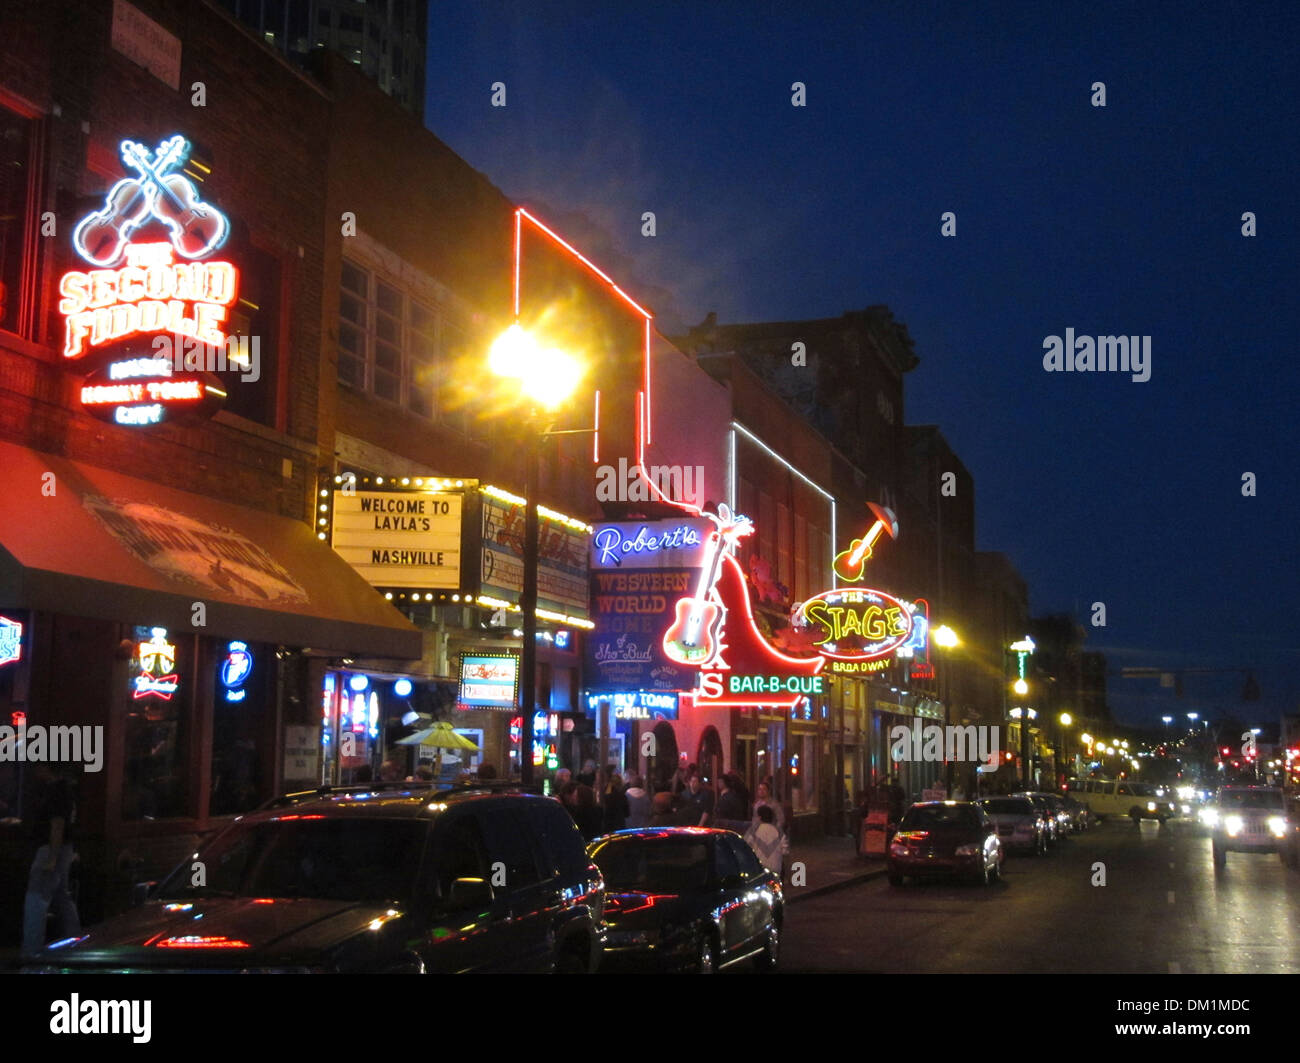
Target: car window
column 748, row 860
column 1124, row 791
column 459, row 852
column 725, row 863
column 1009, row 806
column 509, row 843
column 653, row 865
column 330, row 858
column 928, row 816
column 563, row 851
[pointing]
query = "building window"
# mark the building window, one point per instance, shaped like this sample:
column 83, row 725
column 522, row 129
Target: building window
column 390, row 342
column 15, row 197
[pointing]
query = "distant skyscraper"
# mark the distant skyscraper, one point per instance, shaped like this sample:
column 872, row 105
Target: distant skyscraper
column 385, row 38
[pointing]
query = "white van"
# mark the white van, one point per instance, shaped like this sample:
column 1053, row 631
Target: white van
column 1123, row 797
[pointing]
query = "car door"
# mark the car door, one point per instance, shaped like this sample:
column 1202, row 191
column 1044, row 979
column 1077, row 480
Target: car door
column 729, row 891
column 519, row 885
column 459, row 938
column 758, row 904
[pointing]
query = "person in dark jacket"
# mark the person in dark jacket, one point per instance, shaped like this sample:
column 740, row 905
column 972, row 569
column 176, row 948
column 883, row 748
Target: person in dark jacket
column 614, row 805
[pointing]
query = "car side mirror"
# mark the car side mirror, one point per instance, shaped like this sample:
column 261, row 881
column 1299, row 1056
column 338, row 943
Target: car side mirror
column 470, row 893
column 140, row 893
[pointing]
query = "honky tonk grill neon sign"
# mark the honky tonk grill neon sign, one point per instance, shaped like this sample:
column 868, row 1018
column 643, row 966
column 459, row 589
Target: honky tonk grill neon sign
column 152, row 292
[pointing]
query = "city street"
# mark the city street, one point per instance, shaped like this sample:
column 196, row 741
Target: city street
column 1163, row 910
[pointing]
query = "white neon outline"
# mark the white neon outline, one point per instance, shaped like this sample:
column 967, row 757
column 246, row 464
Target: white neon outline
column 737, row 426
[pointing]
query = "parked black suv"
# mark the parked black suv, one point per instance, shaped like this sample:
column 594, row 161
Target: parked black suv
column 402, row 879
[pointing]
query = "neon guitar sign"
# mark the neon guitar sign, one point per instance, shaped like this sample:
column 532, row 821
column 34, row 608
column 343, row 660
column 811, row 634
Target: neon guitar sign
column 692, row 639
column 848, row 564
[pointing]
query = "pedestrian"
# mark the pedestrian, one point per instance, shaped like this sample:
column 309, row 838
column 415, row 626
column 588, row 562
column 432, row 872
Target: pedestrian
column 681, row 779
column 731, row 812
column 698, row 802
column 614, row 803
column 768, row 843
column 638, row 802
column 53, row 832
column 663, row 814
column 588, row 774
column 585, row 811
column 764, row 798
column 560, row 783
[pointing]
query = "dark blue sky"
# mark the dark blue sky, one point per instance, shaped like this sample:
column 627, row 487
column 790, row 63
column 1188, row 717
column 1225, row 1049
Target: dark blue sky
column 1117, row 220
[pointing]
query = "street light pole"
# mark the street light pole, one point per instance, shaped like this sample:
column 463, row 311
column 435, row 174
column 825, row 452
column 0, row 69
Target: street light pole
column 528, row 602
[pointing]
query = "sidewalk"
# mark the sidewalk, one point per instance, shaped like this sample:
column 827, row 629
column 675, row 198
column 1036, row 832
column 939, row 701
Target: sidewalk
column 829, row 864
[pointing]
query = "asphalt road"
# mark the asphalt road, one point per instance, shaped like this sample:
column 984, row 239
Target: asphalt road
column 1163, row 910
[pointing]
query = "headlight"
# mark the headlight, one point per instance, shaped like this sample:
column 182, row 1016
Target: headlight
column 969, row 850
column 1210, row 817
column 1234, row 824
column 1151, row 806
column 1277, row 825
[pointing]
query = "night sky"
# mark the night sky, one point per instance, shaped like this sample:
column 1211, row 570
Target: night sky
column 1124, row 219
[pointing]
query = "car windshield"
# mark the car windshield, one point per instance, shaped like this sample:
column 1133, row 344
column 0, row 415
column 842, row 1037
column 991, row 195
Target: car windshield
column 1009, row 806
column 336, row 859
column 653, row 865
column 928, row 817
column 1250, row 799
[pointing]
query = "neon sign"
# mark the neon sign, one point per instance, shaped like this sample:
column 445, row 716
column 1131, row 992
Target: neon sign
column 852, row 624
column 152, row 293
column 11, row 640
column 144, row 391
column 235, row 670
column 611, row 544
column 139, row 288
column 639, row 705
column 848, row 564
column 157, row 191
column 157, row 660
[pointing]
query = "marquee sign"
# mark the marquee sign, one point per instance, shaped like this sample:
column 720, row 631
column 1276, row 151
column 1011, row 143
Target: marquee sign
column 143, row 391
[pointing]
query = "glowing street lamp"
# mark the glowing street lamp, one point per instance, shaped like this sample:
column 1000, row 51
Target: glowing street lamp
column 1020, row 687
column 546, row 378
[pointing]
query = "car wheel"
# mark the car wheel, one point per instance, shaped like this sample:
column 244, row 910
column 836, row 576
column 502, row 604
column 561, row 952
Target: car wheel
column 706, row 956
column 767, row 959
column 895, row 880
column 1220, row 857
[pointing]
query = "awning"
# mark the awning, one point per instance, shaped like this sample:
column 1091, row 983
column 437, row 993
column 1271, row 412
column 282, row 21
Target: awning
column 86, row 541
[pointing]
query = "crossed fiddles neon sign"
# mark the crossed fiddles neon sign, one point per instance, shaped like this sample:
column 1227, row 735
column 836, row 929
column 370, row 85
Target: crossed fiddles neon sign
column 156, row 191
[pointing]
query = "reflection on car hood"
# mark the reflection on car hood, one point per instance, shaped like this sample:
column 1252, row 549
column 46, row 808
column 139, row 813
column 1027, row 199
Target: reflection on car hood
column 228, row 931
column 641, row 911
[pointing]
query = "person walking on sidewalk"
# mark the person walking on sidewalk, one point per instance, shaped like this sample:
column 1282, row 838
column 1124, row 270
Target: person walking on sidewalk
column 53, row 830
column 768, row 843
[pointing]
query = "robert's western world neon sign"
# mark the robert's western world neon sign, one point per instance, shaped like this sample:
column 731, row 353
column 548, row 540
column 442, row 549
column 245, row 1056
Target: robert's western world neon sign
column 151, row 292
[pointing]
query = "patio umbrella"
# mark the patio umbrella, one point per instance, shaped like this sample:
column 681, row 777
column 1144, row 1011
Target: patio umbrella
column 442, row 735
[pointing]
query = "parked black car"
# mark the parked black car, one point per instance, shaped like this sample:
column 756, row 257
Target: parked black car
column 946, row 838
column 687, row 898
column 399, row 880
